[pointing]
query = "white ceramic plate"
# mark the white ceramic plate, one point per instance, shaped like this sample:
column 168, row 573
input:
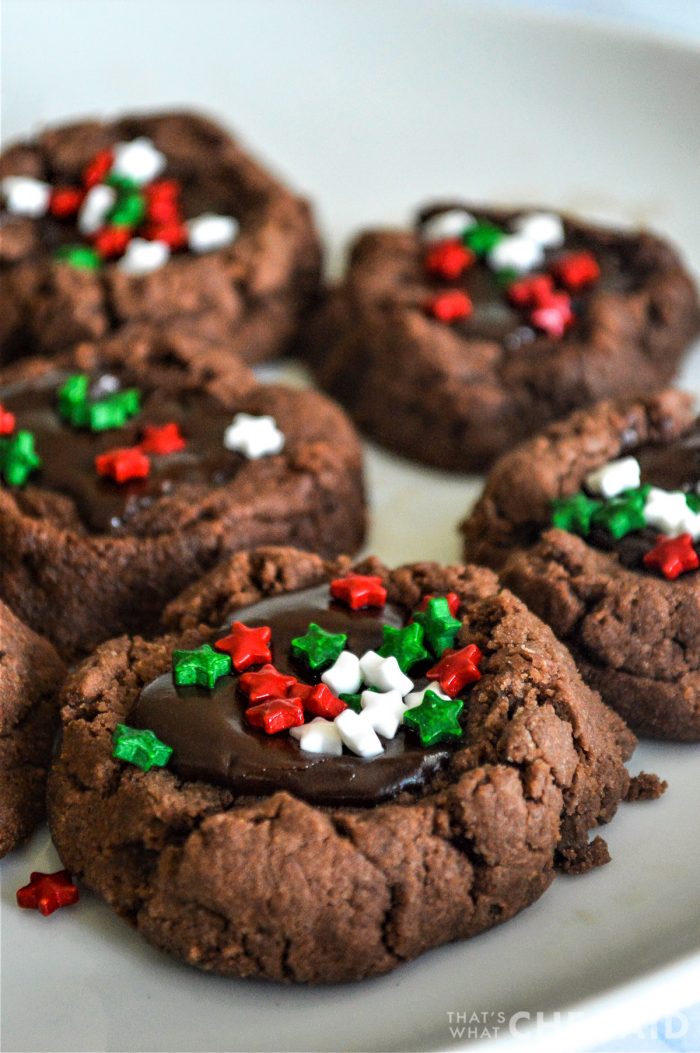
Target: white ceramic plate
column 373, row 108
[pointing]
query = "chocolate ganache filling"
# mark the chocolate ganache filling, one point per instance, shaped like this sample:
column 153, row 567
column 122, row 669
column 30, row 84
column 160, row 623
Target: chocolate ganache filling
column 669, row 466
column 211, row 740
column 68, row 453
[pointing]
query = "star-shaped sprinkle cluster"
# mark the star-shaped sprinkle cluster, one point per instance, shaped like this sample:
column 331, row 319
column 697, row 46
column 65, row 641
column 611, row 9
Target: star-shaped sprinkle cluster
column 48, row 892
column 140, row 746
column 202, row 666
column 122, row 210
column 360, row 702
column 76, row 405
column 253, row 436
column 455, row 239
column 623, row 505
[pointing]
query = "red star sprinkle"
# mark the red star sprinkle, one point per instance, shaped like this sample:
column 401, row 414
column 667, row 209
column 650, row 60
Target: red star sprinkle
column 276, row 715
column 576, row 270
column 672, row 555
column 123, row 464
column 162, row 201
column 456, row 669
column 448, row 259
column 359, row 590
column 246, row 646
column 451, row 306
column 65, row 201
column 164, row 439
column 111, row 241
column 555, row 316
column 320, row 700
column 7, row 421
column 266, row 683
column 47, row 892
column 98, row 168
column 173, row 234
column 533, row 291
column 452, row 602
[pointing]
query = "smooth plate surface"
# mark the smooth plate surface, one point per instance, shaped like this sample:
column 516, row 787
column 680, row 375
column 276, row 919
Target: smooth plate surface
column 372, row 108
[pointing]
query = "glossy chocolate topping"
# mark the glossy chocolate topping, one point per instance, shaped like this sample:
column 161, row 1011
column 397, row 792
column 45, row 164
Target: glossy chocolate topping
column 68, row 453
column 670, row 466
column 494, row 318
column 212, row 741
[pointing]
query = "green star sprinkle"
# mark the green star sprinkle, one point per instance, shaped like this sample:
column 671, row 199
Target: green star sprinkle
column 482, row 237
column 406, row 645
column 435, row 719
column 439, row 626
column 574, row 513
column 351, row 700
column 18, row 458
column 318, row 647
column 114, row 411
column 203, row 666
column 140, row 746
column 73, row 399
column 621, row 515
column 128, row 211
column 81, row 257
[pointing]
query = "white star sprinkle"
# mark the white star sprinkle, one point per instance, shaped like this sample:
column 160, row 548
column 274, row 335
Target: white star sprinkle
column 318, row 736
column 138, row 160
column 253, row 436
column 25, row 196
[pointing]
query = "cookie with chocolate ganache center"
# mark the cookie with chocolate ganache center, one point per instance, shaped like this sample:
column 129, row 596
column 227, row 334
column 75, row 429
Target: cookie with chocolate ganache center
column 596, row 525
column 480, row 325
column 149, row 218
column 129, row 466
column 274, row 769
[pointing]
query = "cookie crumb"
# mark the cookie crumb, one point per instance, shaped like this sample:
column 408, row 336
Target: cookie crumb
column 646, row 787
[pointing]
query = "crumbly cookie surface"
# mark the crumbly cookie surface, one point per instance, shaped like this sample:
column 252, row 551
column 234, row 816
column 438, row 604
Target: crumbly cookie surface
column 251, row 291
column 457, row 391
column 277, row 887
column 84, row 556
column 632, row 630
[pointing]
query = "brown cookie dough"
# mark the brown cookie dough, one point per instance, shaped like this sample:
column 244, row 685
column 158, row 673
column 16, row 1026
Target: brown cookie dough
column 251, row 292
column 633, row 633
column 30, row 676
column 83, row 557
column 280, row 887
column 458, row 393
